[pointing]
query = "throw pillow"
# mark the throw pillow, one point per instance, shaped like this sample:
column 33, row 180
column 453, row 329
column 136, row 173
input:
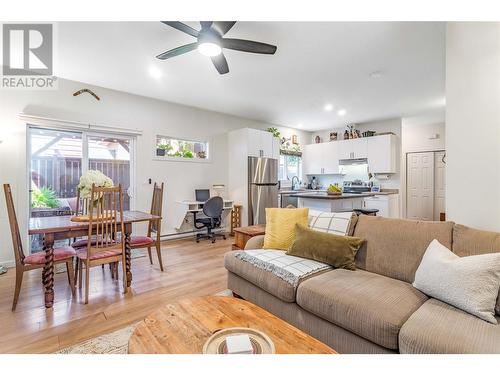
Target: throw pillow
column 340, row 223
column 337, row 251
column 469, row 283
column 280, row 226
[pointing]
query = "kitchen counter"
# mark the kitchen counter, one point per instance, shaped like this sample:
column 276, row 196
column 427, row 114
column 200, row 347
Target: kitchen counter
column 324, row 195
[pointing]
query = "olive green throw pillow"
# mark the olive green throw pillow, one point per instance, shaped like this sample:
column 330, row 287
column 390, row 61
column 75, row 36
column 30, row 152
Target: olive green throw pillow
column 337, row 251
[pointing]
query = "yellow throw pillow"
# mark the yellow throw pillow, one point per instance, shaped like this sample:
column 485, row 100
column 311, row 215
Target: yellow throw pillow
column 280, row 226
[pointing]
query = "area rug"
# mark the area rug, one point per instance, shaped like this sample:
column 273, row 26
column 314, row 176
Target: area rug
column 114, row 342
column 111, row 343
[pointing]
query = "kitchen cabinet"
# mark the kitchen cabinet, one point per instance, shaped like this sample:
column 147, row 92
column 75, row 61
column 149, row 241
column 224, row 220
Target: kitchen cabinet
column 262, row 144
column 381, row 152
column 352, row 149
column 388, row 205
column 320, row 158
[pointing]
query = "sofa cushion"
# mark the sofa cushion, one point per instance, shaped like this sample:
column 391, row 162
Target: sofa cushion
column 394, row 247
column 369, row 305
column 468, row 241
column 262, row 278
column 437, row 327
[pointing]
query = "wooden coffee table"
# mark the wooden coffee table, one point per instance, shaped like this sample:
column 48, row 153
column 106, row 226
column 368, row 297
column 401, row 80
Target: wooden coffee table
column 184, row 327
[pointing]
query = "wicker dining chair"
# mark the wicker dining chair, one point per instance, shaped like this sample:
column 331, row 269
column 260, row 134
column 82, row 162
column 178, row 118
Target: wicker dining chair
column 37, row 260
column 154, row 227
column 107, row 247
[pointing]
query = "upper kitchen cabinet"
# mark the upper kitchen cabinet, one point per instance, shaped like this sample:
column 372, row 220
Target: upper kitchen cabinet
column 321, row 158
column 382, row 154
column 262, row 143
column 353, row 149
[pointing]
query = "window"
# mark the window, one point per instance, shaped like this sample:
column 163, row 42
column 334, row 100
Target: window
column 290, row 165
column 182, row 149
column 58, row 158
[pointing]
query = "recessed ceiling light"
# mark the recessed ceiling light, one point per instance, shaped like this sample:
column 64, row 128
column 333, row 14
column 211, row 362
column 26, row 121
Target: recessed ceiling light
column 209, row 49
column 155, row 72
column 376, row 74
column 328, row 107
column 341, row 112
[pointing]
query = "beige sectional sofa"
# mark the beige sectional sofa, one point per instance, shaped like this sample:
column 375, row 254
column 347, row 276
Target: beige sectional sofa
column 375, row 309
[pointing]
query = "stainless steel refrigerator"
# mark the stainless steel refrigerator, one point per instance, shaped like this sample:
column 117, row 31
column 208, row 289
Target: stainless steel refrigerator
column 262, row 188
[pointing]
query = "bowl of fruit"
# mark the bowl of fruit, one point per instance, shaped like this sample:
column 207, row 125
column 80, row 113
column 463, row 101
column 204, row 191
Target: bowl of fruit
column 333, row 190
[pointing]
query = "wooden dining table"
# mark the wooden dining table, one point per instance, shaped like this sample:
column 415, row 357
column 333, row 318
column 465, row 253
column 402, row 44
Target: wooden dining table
column 55, row 228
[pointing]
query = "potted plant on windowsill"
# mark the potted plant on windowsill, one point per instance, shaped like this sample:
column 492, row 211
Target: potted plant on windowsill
column 162, row 150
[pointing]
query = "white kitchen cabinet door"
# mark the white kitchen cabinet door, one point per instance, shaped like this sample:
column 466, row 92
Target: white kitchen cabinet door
column 344, row 149
column 330, row 153
column 276, row 148
column 359, row 148
column 267, row 143
column 381, row 154
column 312, row 159
column 352, row 148
column 254, row 142
column 261, row 144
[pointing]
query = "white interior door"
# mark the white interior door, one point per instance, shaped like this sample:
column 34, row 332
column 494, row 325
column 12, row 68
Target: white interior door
column 420, row 186
column 439, row 184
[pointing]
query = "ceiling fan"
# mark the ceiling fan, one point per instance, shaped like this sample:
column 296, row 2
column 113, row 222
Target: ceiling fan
column 210, row 42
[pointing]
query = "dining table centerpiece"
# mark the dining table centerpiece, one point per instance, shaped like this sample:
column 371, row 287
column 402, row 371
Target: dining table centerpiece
column 84, row 187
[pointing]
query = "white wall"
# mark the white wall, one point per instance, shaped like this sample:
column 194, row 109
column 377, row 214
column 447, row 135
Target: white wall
column 122, row 110
column 391, row 125
column 425, row 132
column 473, row 124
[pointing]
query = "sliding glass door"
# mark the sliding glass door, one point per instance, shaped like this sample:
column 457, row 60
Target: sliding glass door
column 58, row 158
column 112, row 156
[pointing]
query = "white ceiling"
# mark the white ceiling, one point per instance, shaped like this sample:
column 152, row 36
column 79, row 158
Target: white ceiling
column 315, row 64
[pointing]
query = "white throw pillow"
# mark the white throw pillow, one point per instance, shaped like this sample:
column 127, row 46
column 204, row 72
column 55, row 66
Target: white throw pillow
column 470, row 283
column 330, row 222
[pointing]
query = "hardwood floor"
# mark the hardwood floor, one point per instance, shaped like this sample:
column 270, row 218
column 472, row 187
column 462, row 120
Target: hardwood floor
column 191, row 269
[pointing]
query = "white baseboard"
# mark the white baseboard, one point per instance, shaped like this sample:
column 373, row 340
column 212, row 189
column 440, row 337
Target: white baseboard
column 8, row 264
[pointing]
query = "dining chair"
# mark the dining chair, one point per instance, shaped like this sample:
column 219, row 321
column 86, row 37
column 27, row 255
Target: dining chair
column 154, row 227
column 34, row 261
column 107, row 247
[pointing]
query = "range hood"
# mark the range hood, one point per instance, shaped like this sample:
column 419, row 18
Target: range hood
column 353, row 161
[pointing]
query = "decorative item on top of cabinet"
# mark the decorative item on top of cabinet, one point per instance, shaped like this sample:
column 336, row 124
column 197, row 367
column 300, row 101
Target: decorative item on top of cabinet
column 333, row 136
column 317, row 139
column 295, row 141
column 346, row 135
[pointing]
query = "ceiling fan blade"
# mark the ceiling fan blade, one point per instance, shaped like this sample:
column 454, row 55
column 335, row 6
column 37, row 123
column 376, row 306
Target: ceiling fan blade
column 220, row 63
column 248, row 46
column 177, row 51
column 182, row 27
column 206, row 24
column 223, row 26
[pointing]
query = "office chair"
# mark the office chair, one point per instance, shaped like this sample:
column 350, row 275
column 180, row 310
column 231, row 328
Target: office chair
column 213, row 212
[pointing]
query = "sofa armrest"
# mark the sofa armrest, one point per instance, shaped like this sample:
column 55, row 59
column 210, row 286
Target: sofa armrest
column 256, row 242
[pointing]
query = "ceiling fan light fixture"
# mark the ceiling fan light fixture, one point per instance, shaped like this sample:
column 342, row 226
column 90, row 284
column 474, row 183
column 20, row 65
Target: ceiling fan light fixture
column 209, row 49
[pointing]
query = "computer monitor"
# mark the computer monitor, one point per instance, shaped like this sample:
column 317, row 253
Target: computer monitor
column 202, row 195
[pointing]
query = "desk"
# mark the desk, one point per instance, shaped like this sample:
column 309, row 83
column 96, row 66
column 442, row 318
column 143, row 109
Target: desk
column 61, row 227
column 183, row 208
